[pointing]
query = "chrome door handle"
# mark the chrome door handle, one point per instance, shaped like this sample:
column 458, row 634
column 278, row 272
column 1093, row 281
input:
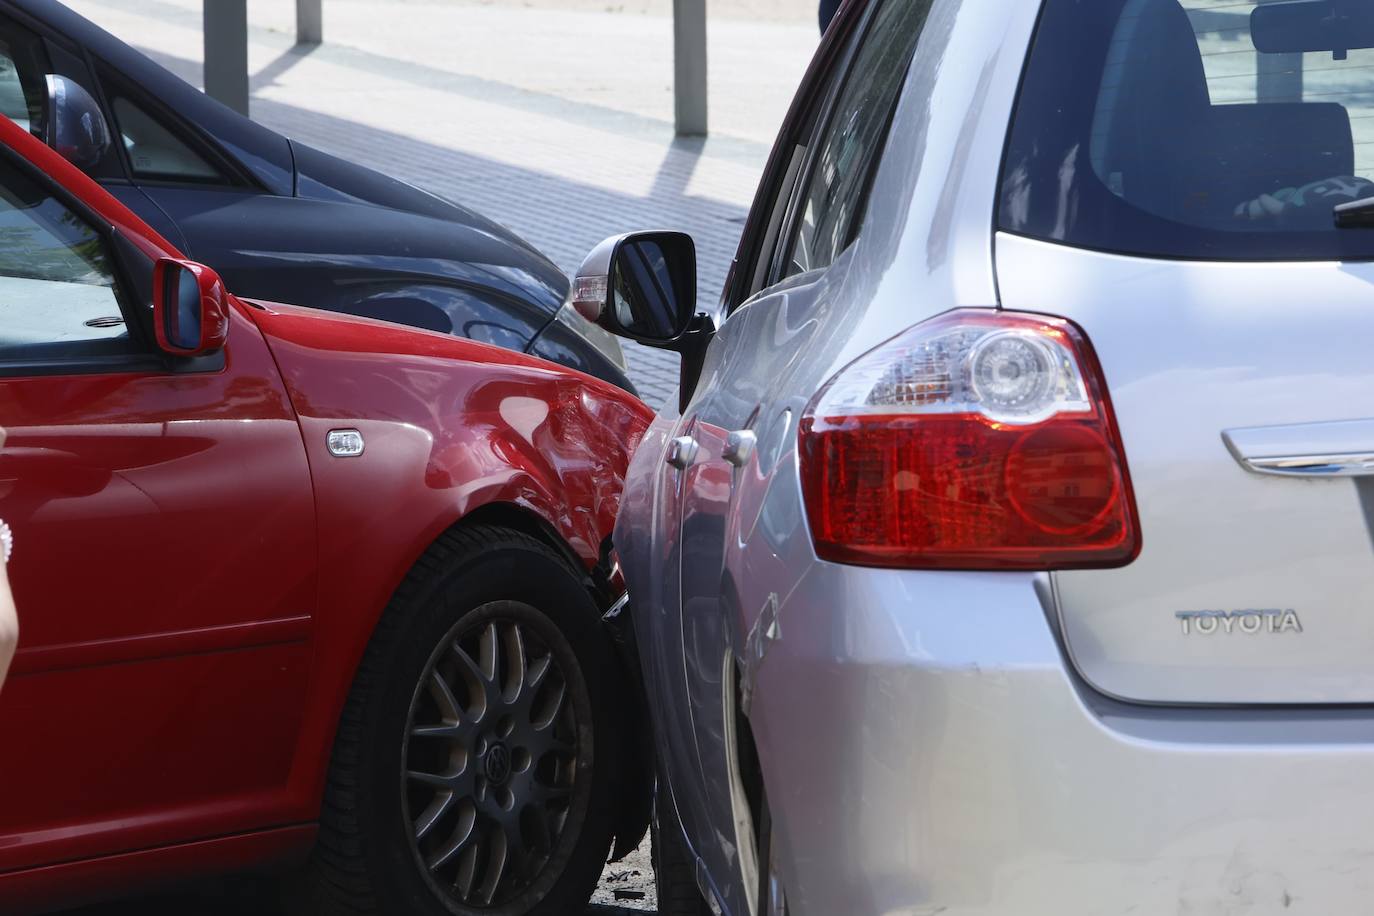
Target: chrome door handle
column 1314, row 465
column 739, row 445
column 682, row 451
column 1341, row 449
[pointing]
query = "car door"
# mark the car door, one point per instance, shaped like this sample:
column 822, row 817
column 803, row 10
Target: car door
column 164, row 563
column 742, row 417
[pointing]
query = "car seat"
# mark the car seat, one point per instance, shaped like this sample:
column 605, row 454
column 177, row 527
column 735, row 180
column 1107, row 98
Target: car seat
column 1160, row 143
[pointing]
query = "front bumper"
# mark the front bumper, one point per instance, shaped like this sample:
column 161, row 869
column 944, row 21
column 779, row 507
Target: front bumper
column 928, row 750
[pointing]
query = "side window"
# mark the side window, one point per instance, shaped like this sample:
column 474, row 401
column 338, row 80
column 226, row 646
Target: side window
column 23, row 67
column 25, row 62
column 154, row 150
column 833, row 196
column 57, row 288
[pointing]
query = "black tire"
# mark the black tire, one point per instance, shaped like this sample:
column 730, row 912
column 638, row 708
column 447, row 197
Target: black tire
column 522, row 599
column 675, row 868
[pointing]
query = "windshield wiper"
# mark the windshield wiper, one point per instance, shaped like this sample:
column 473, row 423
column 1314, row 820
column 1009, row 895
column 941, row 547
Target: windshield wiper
column 1358, row 214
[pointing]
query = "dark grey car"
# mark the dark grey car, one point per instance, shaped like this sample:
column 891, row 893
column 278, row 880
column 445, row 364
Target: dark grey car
column 278, row 219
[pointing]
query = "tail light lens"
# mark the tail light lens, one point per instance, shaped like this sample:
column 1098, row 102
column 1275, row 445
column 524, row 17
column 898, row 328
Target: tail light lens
column 977, row 440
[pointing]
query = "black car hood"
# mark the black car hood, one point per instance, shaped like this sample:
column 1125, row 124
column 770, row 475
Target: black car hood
column 320, row 176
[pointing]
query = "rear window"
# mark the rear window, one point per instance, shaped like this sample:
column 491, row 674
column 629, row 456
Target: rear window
column 1195, row 129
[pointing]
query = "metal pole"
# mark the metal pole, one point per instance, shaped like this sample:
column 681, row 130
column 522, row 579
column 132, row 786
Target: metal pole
column 226, row 52
column 689, row 67
column 309, row 22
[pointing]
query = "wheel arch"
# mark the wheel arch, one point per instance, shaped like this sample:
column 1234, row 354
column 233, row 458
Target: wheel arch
column 636, row 756
column 635, row 767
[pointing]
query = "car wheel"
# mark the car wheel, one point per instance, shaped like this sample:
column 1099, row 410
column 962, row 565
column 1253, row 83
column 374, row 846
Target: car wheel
column 472, row 772
column 675, row 868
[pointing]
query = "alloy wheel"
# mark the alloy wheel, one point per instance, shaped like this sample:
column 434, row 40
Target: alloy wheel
column 491, row 757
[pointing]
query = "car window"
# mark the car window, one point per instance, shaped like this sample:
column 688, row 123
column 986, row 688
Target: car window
column 23, row 68
column 1173, row 128
column 57, row 289
column 155, row 151
column 835, row 191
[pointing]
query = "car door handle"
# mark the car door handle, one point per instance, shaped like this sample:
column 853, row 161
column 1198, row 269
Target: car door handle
column 682, row 451
column 1341, row 449
column 739, row 446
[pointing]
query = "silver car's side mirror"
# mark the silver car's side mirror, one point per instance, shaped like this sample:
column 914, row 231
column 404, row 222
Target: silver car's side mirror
column 73, row 123
column 642, row 286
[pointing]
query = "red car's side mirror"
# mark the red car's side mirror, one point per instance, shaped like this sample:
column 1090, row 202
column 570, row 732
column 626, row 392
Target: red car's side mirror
column 190, row 308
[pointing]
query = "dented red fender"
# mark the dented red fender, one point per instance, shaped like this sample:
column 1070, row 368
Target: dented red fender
column 474, row 424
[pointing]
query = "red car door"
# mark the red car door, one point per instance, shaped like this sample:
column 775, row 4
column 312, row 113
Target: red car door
column 164, row 565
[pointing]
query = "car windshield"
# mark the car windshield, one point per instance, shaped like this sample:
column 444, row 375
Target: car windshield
column 1201, row 128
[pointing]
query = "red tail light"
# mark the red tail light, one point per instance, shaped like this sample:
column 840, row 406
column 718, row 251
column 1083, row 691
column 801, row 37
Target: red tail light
column 976, row 440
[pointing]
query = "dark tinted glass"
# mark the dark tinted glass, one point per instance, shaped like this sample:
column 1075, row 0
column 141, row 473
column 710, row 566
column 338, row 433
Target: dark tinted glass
column 1157, row 127
column 645, row 291
column 853, row 137
column 155, row 151
column 23, row 66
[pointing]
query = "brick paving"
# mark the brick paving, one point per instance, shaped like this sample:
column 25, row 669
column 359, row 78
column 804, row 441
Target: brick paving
column 556, row 122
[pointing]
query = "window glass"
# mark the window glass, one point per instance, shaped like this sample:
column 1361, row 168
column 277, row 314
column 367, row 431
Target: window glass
column 13, row 104
column 154, row 151
column 1189, row 129
column 57, row 288
column 833, row 199
column 23, row 68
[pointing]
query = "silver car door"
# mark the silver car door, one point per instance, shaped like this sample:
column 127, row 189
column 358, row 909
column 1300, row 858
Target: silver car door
column 727, row 423
column 742, row 418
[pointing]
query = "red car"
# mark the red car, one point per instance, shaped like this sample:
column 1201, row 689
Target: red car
column 295, row 589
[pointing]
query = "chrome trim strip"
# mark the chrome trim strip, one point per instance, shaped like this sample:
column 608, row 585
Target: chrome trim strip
column 1341, row 449
column 1314, row 465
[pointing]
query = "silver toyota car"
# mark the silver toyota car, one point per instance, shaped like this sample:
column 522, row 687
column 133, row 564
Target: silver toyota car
column 1008, row 551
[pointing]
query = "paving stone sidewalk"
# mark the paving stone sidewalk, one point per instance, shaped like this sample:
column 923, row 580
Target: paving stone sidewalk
column 554, row 121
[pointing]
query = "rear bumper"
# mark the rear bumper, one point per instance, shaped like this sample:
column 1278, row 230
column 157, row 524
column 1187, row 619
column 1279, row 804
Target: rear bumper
column 936, row 755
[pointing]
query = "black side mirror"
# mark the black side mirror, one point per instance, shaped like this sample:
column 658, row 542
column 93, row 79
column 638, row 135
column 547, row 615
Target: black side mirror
column 73, row 123
column 643, row 286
